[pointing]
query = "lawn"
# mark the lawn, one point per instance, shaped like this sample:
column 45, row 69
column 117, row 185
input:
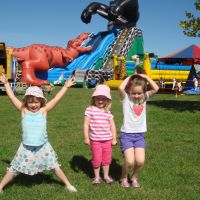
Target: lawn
column 171, row 171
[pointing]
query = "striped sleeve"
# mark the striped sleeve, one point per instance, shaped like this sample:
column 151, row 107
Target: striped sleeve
column 88, row 112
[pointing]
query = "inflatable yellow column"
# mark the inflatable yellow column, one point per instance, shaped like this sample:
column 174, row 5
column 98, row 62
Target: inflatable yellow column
column 3, row 57
column 147, row 64
column 122, row 71
column 2, row 69
column 115, row 65
column 9, row 62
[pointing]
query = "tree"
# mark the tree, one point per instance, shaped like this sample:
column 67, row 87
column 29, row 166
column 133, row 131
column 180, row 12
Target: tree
column 192, row 25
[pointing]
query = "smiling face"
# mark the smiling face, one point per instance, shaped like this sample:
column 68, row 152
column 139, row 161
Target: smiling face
column 33, row 104
column 100, row 101
column 137, row 89
column 137, row 94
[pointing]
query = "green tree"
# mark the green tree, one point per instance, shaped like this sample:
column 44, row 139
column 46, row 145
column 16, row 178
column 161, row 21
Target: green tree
column 191, row 27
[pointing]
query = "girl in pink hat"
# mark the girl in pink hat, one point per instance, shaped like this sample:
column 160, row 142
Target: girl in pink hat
column 35, row 153
column 100, row 132
column 134, row 94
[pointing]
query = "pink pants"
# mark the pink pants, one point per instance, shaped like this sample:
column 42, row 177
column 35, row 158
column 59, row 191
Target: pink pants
column 101, row 153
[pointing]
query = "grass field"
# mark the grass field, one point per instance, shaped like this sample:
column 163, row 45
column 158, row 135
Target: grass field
column 171, row 171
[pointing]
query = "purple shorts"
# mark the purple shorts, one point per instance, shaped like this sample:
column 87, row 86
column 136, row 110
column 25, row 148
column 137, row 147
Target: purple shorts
column 131, row 140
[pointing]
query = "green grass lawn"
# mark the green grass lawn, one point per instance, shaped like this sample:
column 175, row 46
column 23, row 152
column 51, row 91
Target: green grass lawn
column 171, row 171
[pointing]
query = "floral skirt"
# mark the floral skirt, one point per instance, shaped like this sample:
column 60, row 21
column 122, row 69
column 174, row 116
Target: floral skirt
column 32, row 160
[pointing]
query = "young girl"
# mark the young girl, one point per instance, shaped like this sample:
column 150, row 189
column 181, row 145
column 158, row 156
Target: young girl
column 134, row 94
column 100, row 132
column 35, row 153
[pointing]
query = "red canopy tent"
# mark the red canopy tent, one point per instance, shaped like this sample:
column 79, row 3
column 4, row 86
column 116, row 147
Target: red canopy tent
column 186, row 56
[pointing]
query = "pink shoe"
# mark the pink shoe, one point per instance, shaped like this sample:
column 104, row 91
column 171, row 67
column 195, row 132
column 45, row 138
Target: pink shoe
column 108, row 180
column 96, row 181
column 124, row 183
column 135, row 183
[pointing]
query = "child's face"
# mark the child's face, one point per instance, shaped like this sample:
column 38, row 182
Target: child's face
column 101, row 101
column 34, row 106
column 136, row 93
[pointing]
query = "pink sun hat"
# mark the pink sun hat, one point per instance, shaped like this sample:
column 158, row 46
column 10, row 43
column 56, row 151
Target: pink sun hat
column 35, row 91
column 102, row 90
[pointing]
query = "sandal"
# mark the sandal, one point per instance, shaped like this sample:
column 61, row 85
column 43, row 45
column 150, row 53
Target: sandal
column 96, row 181
column 124, row 183
column 108, row 180
column 135, row 183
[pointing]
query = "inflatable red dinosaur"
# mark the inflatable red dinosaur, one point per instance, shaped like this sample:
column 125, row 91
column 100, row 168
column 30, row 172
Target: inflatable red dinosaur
column 41, row 57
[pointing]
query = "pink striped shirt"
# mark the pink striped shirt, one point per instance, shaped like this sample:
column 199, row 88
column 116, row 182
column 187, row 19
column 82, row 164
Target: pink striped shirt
column 99, row 123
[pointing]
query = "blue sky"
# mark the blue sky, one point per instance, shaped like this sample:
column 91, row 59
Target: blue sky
column 54, row 22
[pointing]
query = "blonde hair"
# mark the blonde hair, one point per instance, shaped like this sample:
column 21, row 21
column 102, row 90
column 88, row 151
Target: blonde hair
column 107, row 107
column 29, row 99
column 136, row 81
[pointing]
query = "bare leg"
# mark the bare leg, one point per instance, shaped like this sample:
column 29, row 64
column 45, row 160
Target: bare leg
column 106, row 171
column 60, row 174
column 97, row 172
column 139, row 161
column 96, row 179
column 107, row 178
column 128, row 162
column 6, row 179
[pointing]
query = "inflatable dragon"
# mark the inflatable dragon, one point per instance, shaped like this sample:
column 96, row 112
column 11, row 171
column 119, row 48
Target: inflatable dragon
column 120, row 13
column 41, row 57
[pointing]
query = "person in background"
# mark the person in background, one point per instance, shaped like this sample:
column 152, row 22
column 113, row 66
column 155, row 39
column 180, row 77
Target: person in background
column 174, row 84
column 195, row 83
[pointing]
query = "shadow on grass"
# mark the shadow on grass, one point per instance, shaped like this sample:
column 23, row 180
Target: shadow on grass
column 176, row 105
column 29, row 181
column 5, row 161
column 115, row 170
column 80, row 163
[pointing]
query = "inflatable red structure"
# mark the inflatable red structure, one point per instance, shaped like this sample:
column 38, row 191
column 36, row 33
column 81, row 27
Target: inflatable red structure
column 41, row 57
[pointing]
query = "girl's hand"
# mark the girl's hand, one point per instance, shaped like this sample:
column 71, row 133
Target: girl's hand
column 69, row 82
column 114, row 142
column 87, row 141
column 3, row 78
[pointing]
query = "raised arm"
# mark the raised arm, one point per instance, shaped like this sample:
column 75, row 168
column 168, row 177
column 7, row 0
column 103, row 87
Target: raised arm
column 16, row 102
column 122, row 87
column 154, row 87
column 52, row 103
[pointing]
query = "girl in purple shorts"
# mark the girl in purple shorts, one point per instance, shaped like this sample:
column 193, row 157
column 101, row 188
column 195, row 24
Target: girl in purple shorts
column 133, row 95
column 100, row 132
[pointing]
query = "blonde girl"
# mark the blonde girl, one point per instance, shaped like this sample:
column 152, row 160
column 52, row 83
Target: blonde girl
column 100, row 132
column 35, row 153
column 134, row 93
